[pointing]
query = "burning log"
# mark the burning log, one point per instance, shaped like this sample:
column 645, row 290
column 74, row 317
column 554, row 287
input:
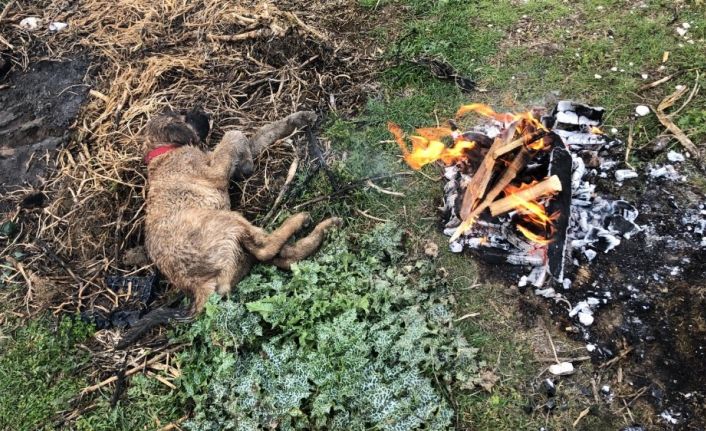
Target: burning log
column 509, row 174
column 547, row 187
column 517, row 143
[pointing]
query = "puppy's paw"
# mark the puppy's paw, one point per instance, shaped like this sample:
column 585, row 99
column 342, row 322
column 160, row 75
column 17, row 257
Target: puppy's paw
column 302, row 118
column 303, row 219
column 329, row 224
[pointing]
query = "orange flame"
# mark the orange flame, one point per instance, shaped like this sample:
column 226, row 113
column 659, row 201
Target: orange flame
column 534, row 213
column 428, row 148
column 533, row 236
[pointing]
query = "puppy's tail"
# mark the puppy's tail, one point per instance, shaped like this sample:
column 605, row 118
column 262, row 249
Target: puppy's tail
column 157, row 317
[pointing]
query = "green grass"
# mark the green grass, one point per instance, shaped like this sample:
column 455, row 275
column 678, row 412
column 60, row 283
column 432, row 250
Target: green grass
column 40, row 372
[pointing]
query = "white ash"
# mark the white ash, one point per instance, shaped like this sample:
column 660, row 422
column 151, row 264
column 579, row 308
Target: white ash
column 625, row 174
column 675, row 157
column 670, row 417
column 666, row 171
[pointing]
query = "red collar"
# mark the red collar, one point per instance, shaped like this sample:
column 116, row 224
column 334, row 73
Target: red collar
column 158, row 152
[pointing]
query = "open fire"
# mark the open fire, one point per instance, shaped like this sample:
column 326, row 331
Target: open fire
column 515, row 190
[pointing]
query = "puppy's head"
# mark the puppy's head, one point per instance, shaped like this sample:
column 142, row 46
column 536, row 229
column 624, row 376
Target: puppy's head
column 172, row 128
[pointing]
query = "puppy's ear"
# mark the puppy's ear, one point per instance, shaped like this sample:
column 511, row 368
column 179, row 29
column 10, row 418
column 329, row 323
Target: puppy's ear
column 179, row 133
column 199, row 121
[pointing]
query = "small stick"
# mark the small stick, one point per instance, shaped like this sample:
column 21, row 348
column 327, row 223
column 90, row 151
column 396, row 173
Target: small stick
column 285, row 187
column 629, row 146
column 466, row 316
column 174, row 425
column 364, row 214
column 318, row 155
column 581, row 416
column 348, row 187
column 384, row 191
column 6, row 9
column 129, row 372
column 656, row 83
column 551, row 343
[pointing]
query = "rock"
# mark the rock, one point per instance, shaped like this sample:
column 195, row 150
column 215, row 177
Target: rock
column 57, row 26
column 562, row 369
column 642, row 110
column 31, row 23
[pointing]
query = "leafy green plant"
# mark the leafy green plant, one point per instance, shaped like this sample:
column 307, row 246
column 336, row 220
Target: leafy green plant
column 354, row 339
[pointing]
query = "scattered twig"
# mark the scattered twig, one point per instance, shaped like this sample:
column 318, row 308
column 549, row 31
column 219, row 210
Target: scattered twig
column 318, row 155
column 629, row 146
column 348, row 187
column 551, row 343
column 174, row 425
column 384, row 191
column 365, row 214
column 131, row 371
column 466, row 316
column 693, row 93
column 667, row 122
column 285, row 188
column 583, row 413
column 657, row 82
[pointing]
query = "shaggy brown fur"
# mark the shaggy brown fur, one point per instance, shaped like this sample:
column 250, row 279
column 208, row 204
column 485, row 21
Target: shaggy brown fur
column 192, row 236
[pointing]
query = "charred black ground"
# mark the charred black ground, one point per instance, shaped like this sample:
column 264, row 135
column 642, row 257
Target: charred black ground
column 39, row 107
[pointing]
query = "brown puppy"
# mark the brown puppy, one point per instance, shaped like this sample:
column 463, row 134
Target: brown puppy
column 191, row 235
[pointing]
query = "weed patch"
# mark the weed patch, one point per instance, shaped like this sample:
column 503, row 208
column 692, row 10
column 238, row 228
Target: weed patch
column 357, row 337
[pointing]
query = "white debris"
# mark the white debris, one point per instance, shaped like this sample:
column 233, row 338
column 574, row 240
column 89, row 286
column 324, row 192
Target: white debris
column 597, row 76
column 624, row 174
column 562, row 369
column 585, row 318
column 590, row 347
column 673, row 156
column 682, row 31
column 57, row 26
column 613, row 69
column 666, row 171
column 456, row 247
column 614, row 130
column 686, row 25
column 546, row 293
column 645, row 76
column 668, row 416
column 566, row 283
column 642, row 110
column 31, row 23
column 522, row 282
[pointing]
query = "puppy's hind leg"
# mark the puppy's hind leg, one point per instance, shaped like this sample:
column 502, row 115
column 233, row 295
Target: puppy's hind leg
column 306, row 246
column 264, row 246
